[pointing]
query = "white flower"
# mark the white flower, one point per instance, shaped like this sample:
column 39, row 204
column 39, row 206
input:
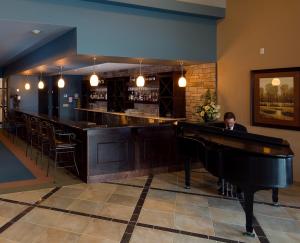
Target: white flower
column 207, row 108
column 202, row 113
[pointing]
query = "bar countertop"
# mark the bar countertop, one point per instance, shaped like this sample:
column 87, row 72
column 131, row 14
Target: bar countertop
column 118, row 121
column 162, row 119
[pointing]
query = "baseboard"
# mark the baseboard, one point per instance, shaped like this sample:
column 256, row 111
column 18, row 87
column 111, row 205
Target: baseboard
column 131, row 174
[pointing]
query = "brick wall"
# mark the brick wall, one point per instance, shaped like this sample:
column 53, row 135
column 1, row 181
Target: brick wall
column 199, row 78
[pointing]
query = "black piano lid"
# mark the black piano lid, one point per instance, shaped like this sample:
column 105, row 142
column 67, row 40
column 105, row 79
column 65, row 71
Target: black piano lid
column 249, row 142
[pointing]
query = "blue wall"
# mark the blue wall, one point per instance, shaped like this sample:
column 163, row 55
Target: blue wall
column 29, row 98
column 110, row 30
column 72, row 85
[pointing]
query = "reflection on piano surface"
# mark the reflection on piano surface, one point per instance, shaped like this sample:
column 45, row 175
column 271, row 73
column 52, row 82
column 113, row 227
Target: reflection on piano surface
column 249, row 161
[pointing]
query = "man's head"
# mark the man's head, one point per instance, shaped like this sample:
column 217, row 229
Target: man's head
column 229, row 119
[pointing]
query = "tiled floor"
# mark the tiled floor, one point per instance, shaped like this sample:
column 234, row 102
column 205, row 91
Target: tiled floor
column 127, row 211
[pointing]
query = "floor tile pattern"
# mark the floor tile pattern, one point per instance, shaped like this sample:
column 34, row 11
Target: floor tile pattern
column 145, row 209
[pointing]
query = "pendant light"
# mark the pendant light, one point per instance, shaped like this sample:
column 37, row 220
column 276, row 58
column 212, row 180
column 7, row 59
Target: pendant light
column 27, row 84
column 41, row 84
column 140, row 81
column 94, row 80
column 61, row 81
column 182, row 79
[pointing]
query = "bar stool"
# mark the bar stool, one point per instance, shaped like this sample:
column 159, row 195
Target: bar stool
column 19, row 125
column 31, row 133
column 59, row 147
column 6, row 122
column 11, row 125
column 43, row 139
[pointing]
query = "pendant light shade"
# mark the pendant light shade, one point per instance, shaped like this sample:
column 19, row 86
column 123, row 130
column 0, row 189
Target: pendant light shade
column 182, row 82
column 27, row 86
column 94, row 80
column 140, row 81
column 182, row 79
column 61, row 81
column 41, row 84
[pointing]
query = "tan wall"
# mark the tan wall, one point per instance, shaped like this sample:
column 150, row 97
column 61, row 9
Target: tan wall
column 250, row 25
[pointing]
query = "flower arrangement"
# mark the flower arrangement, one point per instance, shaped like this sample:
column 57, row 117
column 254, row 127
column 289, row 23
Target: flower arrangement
column 208, row 110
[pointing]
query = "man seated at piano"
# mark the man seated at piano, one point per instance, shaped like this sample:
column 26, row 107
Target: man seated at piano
column 230, row 123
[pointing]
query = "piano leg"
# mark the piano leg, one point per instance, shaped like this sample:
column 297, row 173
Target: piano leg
column 275, row 196
column 187, row 169
column 249, row 197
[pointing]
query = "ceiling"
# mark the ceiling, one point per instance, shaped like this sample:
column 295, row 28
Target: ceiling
column 102, row 68
column 83, row 65
column 17, row 39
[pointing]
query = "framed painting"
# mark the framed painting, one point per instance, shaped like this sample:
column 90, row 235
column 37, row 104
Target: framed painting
column 276, row 98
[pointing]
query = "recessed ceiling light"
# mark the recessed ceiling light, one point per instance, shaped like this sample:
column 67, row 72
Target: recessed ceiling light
column 36, row 32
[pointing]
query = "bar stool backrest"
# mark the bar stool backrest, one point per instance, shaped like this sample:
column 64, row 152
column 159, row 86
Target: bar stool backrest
column 34, row 123
column 51, row 136
column 43, row 126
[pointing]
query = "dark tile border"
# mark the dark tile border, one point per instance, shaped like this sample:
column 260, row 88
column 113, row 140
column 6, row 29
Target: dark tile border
column 137, row 211
column 25, row 211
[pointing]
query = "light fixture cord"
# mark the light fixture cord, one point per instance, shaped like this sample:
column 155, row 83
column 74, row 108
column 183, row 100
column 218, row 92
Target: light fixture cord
column 140, row 67
column 181, row 64
column 94, row 64
column 60, row 71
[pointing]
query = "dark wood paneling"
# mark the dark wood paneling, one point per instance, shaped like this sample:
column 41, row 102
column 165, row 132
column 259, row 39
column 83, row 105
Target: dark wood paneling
column 112, row 152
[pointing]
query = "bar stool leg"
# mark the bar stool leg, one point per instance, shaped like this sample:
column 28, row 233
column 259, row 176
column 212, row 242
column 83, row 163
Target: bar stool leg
column 74, row 160
column 223, row 186
column 48, row 166
column 42, row 153
column 27, row 145
column 31, row 148
column 55, row 164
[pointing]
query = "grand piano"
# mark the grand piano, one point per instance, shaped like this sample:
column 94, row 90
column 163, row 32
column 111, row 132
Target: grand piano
column 249, row 161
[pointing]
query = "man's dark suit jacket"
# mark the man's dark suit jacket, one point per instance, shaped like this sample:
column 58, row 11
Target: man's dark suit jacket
column 237, row 127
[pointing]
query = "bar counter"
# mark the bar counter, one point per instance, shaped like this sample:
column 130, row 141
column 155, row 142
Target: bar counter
column 118, row 146
column 156, row 119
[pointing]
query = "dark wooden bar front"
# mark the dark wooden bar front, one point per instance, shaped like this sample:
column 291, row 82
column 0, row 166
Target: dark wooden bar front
column 120, row 147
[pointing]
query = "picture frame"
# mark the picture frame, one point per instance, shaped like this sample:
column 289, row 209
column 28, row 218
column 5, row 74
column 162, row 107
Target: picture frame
column 275, row 98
